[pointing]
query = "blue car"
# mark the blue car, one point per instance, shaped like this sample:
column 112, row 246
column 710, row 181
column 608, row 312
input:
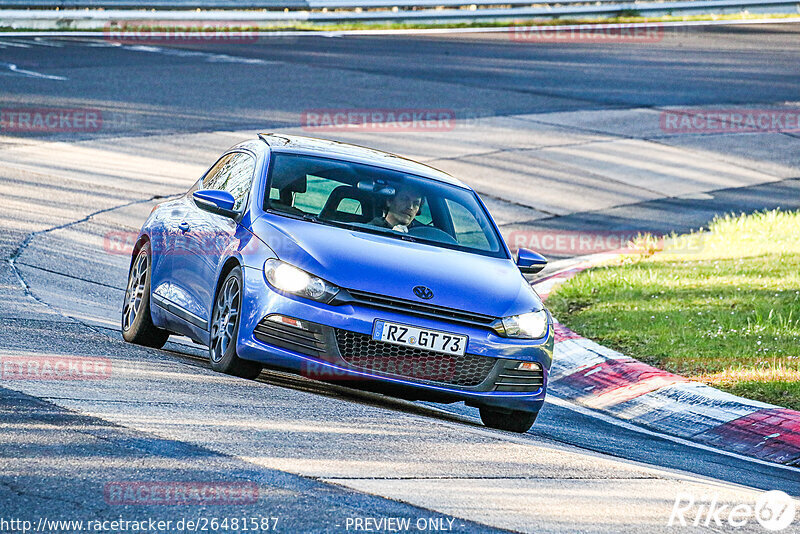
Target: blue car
column 348, row 265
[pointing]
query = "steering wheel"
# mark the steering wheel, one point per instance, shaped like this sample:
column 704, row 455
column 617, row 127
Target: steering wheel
column 432, row 233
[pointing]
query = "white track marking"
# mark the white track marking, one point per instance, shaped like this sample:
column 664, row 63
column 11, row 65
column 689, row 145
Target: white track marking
column 33, row 74
column 41, row 41
column 98, row 44
column 62, row 39
column 14, row 44
column 211, row 58
column 628, row 426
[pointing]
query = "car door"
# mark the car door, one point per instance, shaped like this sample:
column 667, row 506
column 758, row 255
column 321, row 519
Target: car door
column 204, row 237
column 164, row 237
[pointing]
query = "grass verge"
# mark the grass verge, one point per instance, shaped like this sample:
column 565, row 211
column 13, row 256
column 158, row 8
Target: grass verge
column 727, row 314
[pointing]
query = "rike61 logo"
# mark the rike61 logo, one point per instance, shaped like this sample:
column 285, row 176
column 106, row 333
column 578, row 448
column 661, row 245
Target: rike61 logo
column 773, row 510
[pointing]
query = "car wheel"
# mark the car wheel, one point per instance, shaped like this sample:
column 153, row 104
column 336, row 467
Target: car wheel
column 225, row 329
column 512, row 420
column 137, row 324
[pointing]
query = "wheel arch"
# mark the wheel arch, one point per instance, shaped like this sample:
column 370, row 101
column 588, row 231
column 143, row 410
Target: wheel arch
column 230, row 264
column 140, row 242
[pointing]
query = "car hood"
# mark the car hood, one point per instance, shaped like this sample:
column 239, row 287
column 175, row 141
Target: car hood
column 393, row 267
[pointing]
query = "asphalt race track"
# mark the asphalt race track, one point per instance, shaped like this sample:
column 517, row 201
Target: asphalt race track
column 557, row 137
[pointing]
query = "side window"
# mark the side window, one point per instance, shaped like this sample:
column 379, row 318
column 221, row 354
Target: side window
column 349, row 205
column 468, row 230
column 197, row 185
column 232, row 173
column 424, row 215
column 218, row 173
column 316, row 194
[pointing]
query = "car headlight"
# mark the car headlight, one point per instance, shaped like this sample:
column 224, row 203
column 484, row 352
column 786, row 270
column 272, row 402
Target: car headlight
column 531, row 325
column 290, row 279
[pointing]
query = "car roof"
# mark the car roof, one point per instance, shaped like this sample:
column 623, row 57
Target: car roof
column 335, row 149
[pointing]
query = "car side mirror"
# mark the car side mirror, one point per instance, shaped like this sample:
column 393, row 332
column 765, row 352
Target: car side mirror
column 530, row 262
column 216, row 201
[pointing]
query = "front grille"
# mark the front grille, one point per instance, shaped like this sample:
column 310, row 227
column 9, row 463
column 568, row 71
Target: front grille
column 519, row 380
column 418, row 309
column 362, row 351
column 292, row 338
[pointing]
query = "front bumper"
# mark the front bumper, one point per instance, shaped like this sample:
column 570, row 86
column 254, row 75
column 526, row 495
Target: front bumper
column 334, row 344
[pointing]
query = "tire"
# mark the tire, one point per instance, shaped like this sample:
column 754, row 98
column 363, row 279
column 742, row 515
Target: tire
column 137, row 323
column 225, row 329
column 511, row 420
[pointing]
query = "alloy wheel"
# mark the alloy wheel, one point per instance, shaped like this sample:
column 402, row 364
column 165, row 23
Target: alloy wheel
column 225, row 319
column 135, row 292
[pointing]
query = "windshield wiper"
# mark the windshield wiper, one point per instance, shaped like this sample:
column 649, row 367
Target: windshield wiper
column 300, row 217
column 385, row 231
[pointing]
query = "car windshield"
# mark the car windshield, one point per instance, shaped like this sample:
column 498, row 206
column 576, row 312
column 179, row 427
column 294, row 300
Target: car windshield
column 378, row 200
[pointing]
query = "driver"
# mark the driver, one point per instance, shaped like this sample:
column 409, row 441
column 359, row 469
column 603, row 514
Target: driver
column 400, row 210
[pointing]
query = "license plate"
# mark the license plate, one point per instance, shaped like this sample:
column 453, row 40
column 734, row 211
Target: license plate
column 420, row 338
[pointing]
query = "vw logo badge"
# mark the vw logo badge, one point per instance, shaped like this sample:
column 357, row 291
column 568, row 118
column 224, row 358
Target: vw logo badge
column 423, row 292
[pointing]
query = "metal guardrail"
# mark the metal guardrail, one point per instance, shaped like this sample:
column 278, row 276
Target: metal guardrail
column 309, row 4
column 273, row 4
column 558, row 10
column 149, row 4
column 339, row 11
